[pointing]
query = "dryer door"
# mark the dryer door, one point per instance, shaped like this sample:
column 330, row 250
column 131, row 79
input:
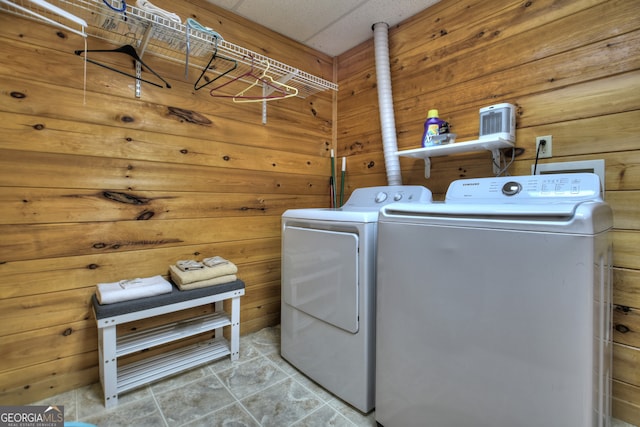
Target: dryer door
column 320, row 274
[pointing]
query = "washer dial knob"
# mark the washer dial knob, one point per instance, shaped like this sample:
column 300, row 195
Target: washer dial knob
column 381, row 197
column 511, row 188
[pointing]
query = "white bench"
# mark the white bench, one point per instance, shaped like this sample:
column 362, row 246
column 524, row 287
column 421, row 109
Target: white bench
column 116, row 380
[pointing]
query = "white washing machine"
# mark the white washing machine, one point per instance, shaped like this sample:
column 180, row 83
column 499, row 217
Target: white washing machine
column 328, row 291
column 494, row 308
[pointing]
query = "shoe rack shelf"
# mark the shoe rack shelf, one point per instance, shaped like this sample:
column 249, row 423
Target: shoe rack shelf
column 117, row 377
column 156, row 35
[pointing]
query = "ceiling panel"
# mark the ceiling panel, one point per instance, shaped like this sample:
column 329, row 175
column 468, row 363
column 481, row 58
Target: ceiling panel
column 355, row 27
column 330, row 26
column 296, row 19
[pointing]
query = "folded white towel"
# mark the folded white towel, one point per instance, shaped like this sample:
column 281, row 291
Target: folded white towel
column 126, row 290
column 151, row 8
column 188, row 265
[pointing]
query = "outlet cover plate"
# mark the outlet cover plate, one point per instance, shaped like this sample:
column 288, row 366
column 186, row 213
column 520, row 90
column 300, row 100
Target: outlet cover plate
column 545, row 150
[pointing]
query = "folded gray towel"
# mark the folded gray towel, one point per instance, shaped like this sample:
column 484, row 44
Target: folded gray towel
column 214, row 261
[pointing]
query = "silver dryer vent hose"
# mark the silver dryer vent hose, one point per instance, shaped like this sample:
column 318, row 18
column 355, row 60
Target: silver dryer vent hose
column 385, row 100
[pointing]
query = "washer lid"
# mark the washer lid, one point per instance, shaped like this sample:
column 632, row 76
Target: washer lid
column 582, row 217
column 493, row 210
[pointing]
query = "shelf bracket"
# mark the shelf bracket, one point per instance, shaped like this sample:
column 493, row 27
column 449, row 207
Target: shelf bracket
column 138, row 77
column 141, row 48
column 264, row 105
column 495, row 159
column 427, row 167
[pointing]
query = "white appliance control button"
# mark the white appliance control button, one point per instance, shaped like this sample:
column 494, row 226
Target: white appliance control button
column 397, row 197
column 381, row 197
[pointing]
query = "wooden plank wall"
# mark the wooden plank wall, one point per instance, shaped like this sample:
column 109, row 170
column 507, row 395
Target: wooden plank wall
column 98, row 186
column 572, row 68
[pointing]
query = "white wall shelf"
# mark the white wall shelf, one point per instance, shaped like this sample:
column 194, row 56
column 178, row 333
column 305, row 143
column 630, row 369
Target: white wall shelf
column 494, row 146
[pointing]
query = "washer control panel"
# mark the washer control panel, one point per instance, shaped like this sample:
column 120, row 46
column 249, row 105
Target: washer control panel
column 526, row 189
column 374, row 197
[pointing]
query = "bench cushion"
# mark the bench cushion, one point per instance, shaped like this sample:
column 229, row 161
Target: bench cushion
column 176, row 295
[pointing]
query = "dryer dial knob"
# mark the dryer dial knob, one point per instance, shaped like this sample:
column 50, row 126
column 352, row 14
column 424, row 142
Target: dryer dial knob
column 511, row 188
column 397, row 197
column 381, row 197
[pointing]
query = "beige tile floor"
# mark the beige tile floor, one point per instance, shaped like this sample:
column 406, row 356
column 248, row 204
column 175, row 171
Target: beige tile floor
column 260, row 389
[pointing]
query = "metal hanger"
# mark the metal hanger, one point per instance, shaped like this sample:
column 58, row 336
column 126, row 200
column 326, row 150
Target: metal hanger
column 215, row 56
column 280, row 89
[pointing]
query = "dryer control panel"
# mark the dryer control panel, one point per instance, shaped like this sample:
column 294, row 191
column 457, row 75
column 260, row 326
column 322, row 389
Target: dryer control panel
column 526, row 189
column 375, row 197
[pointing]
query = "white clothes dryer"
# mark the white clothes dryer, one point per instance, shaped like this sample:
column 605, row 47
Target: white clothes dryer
column 494, row 308
column 328, row 291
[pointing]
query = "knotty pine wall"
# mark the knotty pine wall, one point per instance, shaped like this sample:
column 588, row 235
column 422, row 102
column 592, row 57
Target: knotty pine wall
column 117, row 187
column 572, row 68
column 100, row 186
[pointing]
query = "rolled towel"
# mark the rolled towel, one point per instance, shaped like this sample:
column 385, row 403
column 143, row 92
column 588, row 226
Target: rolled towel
column 188, row 265
column 209, row 282
column 151, row 8
column 180, row 277
column 126, row 290
column 192, row 23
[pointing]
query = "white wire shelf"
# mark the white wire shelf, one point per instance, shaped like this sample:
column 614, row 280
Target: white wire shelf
column 154, row 34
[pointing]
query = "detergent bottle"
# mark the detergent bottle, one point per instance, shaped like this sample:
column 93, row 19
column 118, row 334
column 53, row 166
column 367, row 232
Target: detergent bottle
column 433, row 126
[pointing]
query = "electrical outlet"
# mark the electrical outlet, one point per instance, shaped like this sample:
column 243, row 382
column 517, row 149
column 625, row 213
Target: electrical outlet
column 545, row 150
